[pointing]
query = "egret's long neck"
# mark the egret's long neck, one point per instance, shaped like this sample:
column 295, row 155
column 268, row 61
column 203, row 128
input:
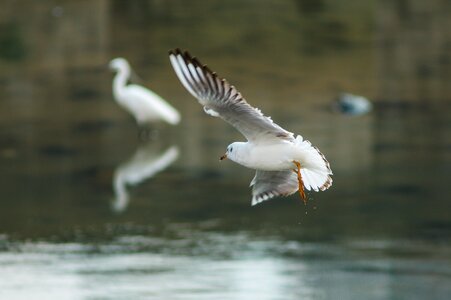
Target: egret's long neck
column 121, row 199
column 120, row 80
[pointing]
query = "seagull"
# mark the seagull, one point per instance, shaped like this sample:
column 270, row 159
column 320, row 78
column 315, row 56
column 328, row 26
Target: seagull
column 144, row 164
column 284, row 163
column 354, row 105
column 142, row 103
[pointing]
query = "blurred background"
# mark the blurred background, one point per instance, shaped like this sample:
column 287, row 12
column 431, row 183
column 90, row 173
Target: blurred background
column 72, row 226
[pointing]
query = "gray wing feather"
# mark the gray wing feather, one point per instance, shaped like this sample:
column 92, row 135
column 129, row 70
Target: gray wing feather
column 221, row 99
column 269, row 184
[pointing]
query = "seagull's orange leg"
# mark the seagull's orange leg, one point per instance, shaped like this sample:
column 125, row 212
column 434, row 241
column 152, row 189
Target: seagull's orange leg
column 301, row 183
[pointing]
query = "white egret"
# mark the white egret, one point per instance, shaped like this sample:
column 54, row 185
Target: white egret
column 284, row 163
column 143, row 104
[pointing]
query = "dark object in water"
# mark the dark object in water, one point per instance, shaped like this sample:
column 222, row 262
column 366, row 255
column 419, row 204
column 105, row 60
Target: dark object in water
column 354, row 105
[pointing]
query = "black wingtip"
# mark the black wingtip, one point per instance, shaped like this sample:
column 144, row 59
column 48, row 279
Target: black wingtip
column 175, row 51
column 190, row 58
column 197, row 62
column 187, row 56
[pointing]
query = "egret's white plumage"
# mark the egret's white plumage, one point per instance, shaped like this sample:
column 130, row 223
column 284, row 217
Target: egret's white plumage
column 142, row 103
column 270, row 149
column 144, row 164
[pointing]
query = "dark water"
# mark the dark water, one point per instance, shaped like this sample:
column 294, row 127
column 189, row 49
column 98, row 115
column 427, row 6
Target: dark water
column 73, row 226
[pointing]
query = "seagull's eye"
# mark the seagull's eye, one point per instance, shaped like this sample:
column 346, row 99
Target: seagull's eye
column 231, row 149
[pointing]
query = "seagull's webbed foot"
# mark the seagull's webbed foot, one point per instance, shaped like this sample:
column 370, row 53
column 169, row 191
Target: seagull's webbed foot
column 301, row 182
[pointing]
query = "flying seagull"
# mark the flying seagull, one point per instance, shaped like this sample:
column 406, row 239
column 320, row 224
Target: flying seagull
column 142, row 103
column 284, row 163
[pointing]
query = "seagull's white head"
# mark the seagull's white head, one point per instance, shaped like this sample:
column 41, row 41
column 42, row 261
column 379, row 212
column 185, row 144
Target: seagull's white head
column 234, row 151
column 119, row 64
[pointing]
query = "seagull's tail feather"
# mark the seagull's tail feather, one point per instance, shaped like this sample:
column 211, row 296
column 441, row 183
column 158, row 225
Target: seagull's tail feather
column 315, row 169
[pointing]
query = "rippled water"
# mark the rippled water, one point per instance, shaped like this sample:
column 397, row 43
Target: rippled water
column 76, row 224
column 212, row 265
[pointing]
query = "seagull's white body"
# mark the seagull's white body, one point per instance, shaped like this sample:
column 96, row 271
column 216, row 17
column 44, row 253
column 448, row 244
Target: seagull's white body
column 144, row 164
column 271, row 150
column 282, row 155
column 142, row 103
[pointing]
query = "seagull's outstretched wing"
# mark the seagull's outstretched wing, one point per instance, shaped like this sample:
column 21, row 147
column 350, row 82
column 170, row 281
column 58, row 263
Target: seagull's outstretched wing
column 270, row 184
column 220, row 99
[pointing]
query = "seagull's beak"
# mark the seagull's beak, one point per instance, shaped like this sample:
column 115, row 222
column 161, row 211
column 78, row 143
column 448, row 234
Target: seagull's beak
column 223, row 157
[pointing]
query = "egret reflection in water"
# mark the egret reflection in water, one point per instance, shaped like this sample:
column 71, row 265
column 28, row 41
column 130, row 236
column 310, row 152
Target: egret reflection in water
column 145, row 163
